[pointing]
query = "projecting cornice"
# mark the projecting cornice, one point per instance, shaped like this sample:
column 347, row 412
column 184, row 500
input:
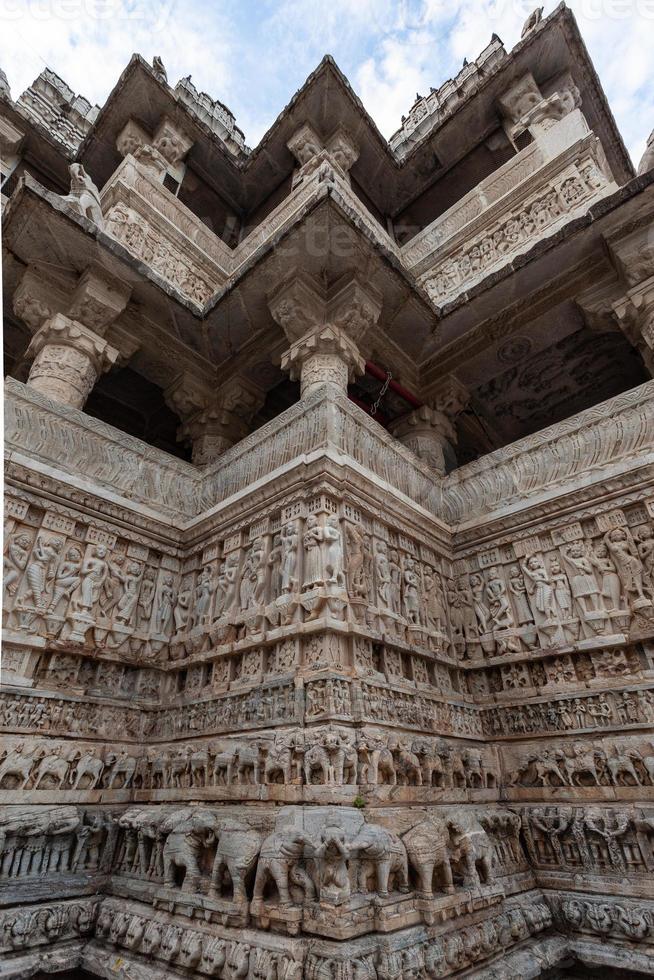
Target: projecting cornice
column 246, row 178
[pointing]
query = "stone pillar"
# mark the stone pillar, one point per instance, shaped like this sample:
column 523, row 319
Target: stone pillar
column 325, row 355
column 635, row 314
column 68, row 359
column 163, row 152
column 214, row 421
column 429, row 431
column 626, row 303
column 527, row 108
column 324, row 328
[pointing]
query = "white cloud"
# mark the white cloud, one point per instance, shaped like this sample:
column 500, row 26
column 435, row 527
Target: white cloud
column 254, row 54
column 89, row 42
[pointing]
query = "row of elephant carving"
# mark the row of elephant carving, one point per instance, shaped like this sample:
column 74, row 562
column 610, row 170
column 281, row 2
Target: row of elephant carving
column 324, row 855
column 326, row 756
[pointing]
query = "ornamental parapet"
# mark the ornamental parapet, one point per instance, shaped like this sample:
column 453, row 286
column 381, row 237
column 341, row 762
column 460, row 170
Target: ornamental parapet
column 530, row 197
column 161, row 231
column 611, row 437
column 591, row 445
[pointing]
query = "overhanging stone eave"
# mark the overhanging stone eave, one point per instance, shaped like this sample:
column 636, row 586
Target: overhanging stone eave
column 98, row 152
column 381, row 252
column 31, row 206
column 39, row 140
column 78, row 230
column 523, row 57
column 471, row 311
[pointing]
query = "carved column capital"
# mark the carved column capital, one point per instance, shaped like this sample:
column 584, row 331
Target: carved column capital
column 307, row 148
column 214, row 421
column 304, row 144
column 526, row 107
column 162, row 152
column 324, row 329
column 99, row 298
column 450, row 397
column 324, row 355
column 95, row 304
column 429, row 431
column 626, row 302
column 354, row 308
column 68, row 359
column 635, row 314
column 298, row 306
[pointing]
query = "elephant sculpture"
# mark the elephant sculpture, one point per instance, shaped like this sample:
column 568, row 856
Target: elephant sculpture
column 386, row 852
column 316, row 757
column 279, row 761
column 471, row 849
column 188, row 835
column 280, row 860
column 427, row 845
column 237, row 851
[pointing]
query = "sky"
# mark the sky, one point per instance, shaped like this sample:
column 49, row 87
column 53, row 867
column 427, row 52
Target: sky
column 253, row 55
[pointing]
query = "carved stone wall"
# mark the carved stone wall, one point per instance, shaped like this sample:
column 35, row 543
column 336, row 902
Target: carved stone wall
column 311, row 708
column 469, row 723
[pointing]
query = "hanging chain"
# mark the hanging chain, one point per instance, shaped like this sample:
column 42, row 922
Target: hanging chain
column 382, row 392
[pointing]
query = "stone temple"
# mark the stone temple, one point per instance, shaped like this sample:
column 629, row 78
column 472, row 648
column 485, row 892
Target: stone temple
column 328, row 637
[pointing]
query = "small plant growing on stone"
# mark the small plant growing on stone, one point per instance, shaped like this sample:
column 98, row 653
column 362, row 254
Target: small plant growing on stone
column 359, row 802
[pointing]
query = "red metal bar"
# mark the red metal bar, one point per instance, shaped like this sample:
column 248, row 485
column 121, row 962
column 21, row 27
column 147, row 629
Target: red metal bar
column 380, row 374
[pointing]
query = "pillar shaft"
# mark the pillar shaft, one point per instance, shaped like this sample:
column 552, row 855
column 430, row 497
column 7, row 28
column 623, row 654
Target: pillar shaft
column 68, row 359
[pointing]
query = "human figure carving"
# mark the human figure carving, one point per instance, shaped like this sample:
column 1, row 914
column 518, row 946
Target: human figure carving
column 289, row 558
column 540, row 591
column 94, row 572
column 126, row 605
column 41, row 570
column 477, row 590
column 628, row 565
column 410, row 592
column 15, row 561
column 333, row 545
column 354, row 538
column 313, row 566
column 67, row 578
column 165, row 606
